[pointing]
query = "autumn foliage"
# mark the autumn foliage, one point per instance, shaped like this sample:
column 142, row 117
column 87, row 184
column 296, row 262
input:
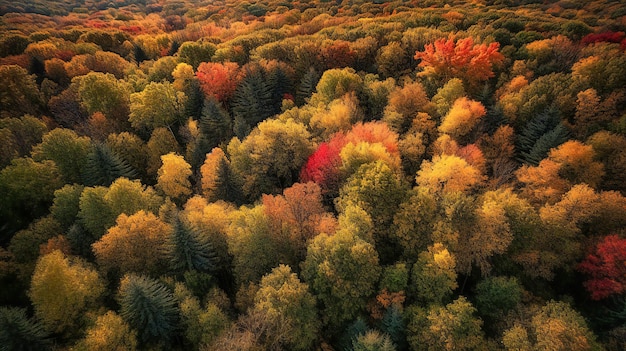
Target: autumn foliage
column 462, row 58
column 606, row 267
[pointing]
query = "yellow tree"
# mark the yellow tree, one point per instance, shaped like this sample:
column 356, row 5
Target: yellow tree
column 134, row 244
column 62, row 290
column 447, row 174
column 173, row 176
column 110, row 332
column 462, row 117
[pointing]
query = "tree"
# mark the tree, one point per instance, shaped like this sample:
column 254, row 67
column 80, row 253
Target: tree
column 102, row 92
column 335, row 83
column 454, row 327
column 188, row 248
column 62, row 290
column 375, row 188
column 447, row 174
column 404, row 105
column 218, row 180
column 299, row 213
column 103, row 167
column 149, row 307
column 161, row 142
column 158, row 105
column 19, row 94
column 173, row 177
column 462, row 117
column 342, row 270
column 556, row 326
column 270, row 158
column 218, row 80
column 65, row 206
column 134, row 244
column 129, row 148
column 214, row 127
column 373, row 340
column 605, row 267
column 252, row 101
column 27, row 131
column 496, row 296
column 28, row 190
column 110, row 332
column 18, row 332
column 250, row 235
column 434, row 275
column 391, row 59
column 282, row 296
column 447, row 95
column 449, row 58
column 414, row 222
column 195, row 53
column 201, row 325
column 67, row 150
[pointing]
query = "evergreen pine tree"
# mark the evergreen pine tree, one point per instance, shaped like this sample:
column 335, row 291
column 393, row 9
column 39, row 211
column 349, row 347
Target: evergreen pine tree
column 308, row 83
column 18, row 332
column 228, row 185
column 393, row 325
column 352, row 332
column 188, row 249
column 149, row 307
column 535, row 128
column 252, row 101
column 103, row 167
column 549, row 140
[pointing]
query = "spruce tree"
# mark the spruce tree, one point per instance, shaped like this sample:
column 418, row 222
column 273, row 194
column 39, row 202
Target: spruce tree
column 103, row 167
column 188, row 249
column 149, row 307
column 18, row 332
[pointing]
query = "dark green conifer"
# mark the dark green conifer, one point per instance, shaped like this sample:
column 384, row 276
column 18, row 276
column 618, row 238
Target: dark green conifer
column 18, row 332
column 149, row 307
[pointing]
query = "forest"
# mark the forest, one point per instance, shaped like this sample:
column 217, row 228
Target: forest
column 326, row 175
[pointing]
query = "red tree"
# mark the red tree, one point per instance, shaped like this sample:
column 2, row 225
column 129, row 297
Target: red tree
column 323, row 165
column 607, row 268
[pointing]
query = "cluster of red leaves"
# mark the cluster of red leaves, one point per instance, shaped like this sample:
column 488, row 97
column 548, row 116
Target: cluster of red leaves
column 607, row 268
column 608, row 37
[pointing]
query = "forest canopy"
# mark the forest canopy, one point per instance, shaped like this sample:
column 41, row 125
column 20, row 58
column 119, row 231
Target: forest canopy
column 313, row 175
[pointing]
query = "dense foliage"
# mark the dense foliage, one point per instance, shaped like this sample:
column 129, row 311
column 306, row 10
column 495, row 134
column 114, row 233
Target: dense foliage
column 313, row 175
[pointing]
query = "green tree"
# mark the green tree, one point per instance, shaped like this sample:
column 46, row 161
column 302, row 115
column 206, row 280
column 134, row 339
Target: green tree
column 282, row 296
column 201, row 325
column 250, row 235
column 496, row 296
column 188, row 248
column 62, row 290
column 454, row 327
column 270, row 158
column 26, row 132
column 19, row 94
column 149, row 307
column 157, row 105
column 414, row 222
column 65, row 206
column 335, row 83
column 434, row 276
column 379, row 191
column 195, row 53
column 68, row 151
column 18, row 332
column 214, row 127
column 102, row 92
column 103, row 167
column 342, row 270
column 447, row 95
column 28, row 190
